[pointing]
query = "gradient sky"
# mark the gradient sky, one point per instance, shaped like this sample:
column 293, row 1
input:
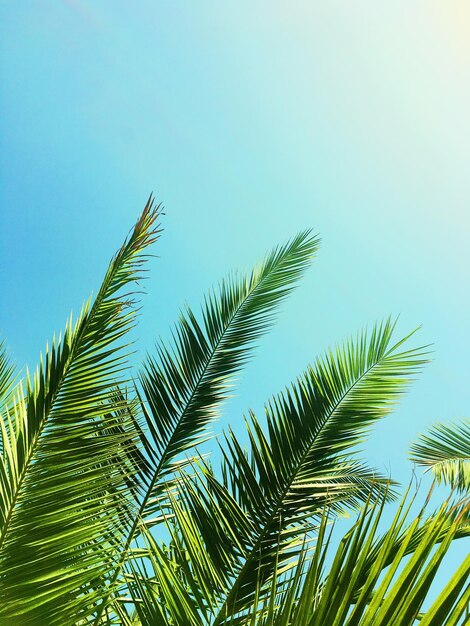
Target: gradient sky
column 250, row 121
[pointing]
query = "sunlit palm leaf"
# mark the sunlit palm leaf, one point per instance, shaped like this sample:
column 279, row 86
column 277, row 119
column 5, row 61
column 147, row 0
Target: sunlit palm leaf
column 408, row 541
column 68, row 496
column 389, row 590
column 369, row 579
column 164, row 597
column 445, row 451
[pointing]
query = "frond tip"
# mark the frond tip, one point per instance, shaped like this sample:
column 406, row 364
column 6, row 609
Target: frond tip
column 189, row 380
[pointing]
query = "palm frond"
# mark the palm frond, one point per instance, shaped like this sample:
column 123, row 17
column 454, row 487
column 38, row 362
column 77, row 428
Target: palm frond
column 67, row 498
column 92, row 462
column 184, row 386
column 365, row 579
column 305, row 462
column 390, row 590
column 445, row 451
column 259, row 515
column 164, row 597
column 407, row 542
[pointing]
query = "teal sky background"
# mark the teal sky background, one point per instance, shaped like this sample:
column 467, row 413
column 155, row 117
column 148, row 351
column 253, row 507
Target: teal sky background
column 249, row 121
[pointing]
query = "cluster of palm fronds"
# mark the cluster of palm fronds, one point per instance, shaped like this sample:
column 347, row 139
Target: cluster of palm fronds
column 110, row 516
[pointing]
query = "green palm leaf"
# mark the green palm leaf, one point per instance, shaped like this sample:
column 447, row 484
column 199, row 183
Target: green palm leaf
column 90, row 465
column 370, row 579
column 445, row 451
column 306, row 461
column 256, row 520
column 389, row 590
column 68, row 498
column 185, row 385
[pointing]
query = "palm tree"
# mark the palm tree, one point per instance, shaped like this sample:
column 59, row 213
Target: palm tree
column 110, row 515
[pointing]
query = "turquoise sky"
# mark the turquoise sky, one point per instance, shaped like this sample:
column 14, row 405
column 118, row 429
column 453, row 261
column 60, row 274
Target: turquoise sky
column 250, row 121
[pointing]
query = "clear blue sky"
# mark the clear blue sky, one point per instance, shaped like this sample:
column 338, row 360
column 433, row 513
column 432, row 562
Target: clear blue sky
column 250, row 121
